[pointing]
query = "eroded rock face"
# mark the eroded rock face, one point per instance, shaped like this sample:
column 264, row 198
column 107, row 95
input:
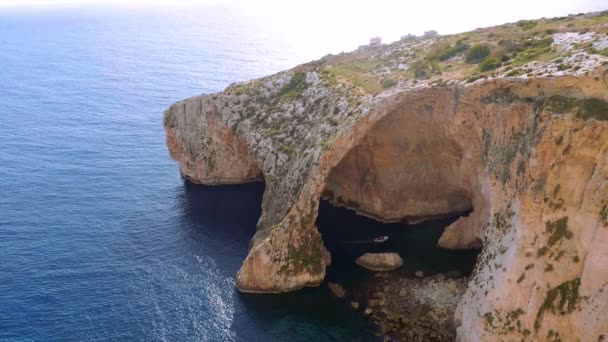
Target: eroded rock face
column 218, row 156
column 408, row 166
column 529, row 156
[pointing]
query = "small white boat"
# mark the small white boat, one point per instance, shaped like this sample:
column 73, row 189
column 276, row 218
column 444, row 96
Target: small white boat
column 381, row 239
column 378, row 239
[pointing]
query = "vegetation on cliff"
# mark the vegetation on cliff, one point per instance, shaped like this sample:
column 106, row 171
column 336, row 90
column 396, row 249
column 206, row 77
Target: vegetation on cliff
column 560, row 300
column 544, row 47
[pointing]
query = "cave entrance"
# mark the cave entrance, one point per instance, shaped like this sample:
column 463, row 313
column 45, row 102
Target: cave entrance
column 408, row 176
column 348, row 235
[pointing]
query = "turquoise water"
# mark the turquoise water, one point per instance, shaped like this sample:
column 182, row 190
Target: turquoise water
column 100, row 238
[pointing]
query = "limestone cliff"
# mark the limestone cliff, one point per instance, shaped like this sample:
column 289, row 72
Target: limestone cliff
column 510, row 122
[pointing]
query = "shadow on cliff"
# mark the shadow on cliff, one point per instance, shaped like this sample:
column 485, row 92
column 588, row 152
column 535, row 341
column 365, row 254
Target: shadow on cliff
column 217, row 222
column 224, row 211
column 227, row 215
column 225, row 205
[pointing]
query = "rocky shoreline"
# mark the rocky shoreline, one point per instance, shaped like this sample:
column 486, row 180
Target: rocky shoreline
column 405, row 306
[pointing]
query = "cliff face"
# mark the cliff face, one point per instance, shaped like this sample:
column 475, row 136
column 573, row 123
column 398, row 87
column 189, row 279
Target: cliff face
column 218, row 156
column 523, row 145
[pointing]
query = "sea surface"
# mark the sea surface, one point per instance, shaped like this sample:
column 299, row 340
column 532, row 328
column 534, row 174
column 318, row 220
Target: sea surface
column 100, row 238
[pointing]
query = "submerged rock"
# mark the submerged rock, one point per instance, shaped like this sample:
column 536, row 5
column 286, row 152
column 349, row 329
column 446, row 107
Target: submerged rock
column 416, row 309
column 380, row 261
column 337, row 290
column 375, row 302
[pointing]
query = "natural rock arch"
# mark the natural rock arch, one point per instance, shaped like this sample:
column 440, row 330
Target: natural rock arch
column 413, row 164
column 529, row 169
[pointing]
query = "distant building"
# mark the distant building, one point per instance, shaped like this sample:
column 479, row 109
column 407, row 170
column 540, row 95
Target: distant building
column 409, row 36
column 376, row 41
column 430, row 34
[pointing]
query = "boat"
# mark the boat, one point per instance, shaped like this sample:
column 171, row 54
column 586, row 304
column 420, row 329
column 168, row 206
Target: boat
column 378, row 239
column 381, row 239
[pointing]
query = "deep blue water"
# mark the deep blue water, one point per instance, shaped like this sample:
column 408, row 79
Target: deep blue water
column 100, row 238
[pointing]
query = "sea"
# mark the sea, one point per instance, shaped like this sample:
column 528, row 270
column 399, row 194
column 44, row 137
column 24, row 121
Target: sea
column 101, row 239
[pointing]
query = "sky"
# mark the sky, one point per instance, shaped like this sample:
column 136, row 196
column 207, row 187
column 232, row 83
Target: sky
column 361, row 20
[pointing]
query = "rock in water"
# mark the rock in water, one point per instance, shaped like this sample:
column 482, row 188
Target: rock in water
column 337, row 290
column 380, row 261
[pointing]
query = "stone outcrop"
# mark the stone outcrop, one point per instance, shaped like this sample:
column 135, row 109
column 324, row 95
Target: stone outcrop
column 218, row 157
column 400, row 133
column 380, row 261
column 337, row 290
column 415, row 309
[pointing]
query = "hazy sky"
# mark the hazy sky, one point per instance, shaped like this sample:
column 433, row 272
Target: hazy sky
column 359, row 20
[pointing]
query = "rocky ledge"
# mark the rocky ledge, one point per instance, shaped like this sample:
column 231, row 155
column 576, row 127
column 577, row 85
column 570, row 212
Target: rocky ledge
column 509, row 122
column 408, row 308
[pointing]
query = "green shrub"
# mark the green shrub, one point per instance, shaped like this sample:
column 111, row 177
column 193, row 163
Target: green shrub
column 445, row 52
column 510, row 45
column 474, row 78
column 489, row 63
column 357, row 74
column 534, row 48
column 515, row 72
column 538, row 43
column 603, row 52
column 295, row 87
column 425, row 68
column 388, row 83
column 557, row 231
column 477, row 53
column 526, row 24
column 593, row 109
column 562, row 299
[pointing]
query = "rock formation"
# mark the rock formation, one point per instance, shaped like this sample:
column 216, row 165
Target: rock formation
column 380, row 261
column 415, row 309
column 337, row 290
column 412, row 131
